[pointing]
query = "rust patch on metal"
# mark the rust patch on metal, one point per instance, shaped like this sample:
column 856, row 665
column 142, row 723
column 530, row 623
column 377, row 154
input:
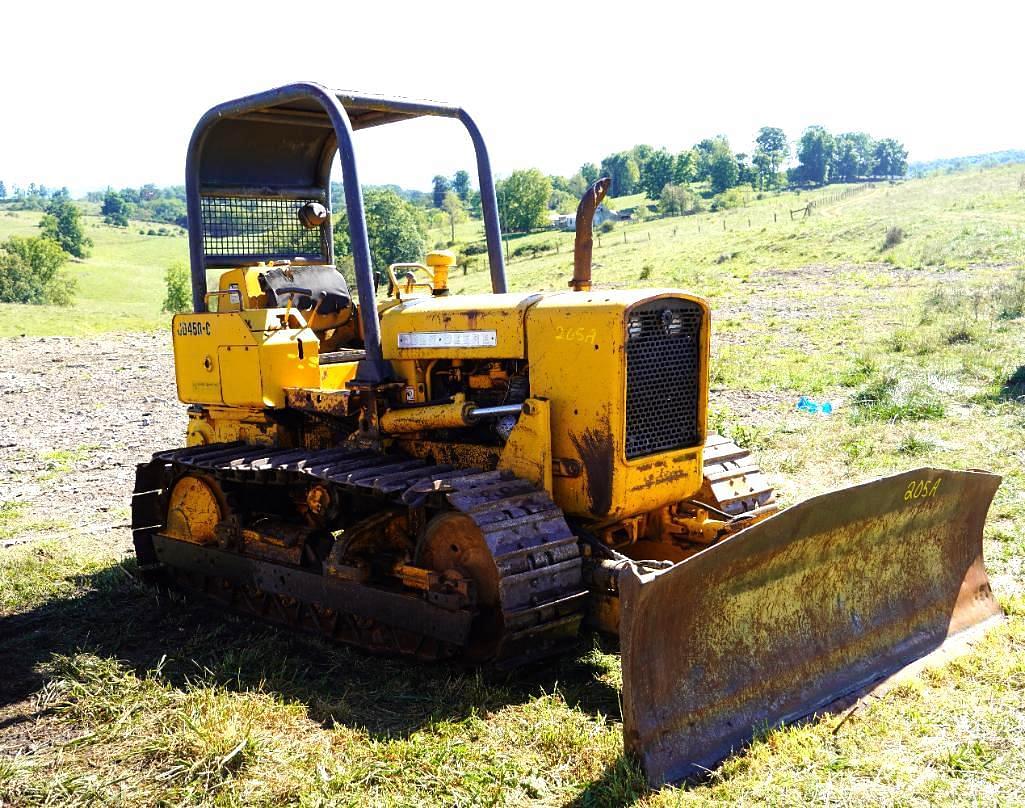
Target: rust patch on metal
column 595, row 449
column 805, row 607
column 461, row 455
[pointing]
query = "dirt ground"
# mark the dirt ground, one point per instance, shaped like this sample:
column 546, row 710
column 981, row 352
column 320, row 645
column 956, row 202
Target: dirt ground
column 78, row 414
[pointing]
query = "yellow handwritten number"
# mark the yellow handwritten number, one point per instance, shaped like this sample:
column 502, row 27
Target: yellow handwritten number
column 921, row 489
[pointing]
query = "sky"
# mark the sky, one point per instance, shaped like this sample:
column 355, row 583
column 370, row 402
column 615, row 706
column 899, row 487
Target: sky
column 107, row 93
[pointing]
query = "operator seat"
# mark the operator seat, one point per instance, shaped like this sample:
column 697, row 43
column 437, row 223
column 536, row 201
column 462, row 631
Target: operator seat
column 307, row 286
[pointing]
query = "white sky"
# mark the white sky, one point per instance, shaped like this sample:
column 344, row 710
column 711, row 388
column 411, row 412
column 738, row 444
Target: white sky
column 107, row 93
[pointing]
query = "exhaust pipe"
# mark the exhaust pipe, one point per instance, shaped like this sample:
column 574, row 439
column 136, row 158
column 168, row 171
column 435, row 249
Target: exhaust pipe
column 589, row 203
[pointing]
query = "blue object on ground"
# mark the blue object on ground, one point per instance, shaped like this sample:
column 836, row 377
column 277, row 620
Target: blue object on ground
column 805, row 404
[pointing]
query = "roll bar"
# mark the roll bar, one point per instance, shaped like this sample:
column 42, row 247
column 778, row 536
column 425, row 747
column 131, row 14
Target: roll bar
column 280, row 144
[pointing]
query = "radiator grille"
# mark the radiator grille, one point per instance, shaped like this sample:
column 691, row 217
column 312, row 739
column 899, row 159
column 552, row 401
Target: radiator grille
column 663, row 377
column 259, row 229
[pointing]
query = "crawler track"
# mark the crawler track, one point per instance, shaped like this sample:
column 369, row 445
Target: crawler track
column 542, row 597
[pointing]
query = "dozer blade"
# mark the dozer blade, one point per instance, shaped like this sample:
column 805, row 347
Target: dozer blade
column 795, row 612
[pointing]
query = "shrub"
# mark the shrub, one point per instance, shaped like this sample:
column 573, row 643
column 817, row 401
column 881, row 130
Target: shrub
column 607, row 226
column 892, row 399
column 1009, row 299
column 894, row 236
column 30, row 272
column 678, row 200
column 534, row 249
column 730, row 198
column 646, row 272
column 475, row 249
column 179, row 296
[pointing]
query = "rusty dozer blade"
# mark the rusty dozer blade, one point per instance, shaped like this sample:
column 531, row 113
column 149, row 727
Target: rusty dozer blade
column 795, row 612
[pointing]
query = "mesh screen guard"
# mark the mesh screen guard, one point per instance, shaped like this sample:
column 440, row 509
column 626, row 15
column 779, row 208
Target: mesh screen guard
column 267, row 228
column 663, row 377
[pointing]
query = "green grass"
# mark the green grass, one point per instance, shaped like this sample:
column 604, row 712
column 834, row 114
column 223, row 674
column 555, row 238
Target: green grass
column 951, row 221
column 120, row 285
column 926, row 365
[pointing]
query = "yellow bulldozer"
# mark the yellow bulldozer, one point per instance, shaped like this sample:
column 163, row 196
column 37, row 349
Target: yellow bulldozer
column 478, row 477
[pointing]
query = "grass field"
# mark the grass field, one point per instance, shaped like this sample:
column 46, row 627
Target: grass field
column 120, row 285
column 921, row 348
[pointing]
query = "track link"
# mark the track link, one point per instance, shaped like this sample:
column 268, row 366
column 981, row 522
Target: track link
column 734, row 482
column 542, row 594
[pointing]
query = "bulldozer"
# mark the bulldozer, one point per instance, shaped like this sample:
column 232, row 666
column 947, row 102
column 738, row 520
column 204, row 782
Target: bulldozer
column 481, row 477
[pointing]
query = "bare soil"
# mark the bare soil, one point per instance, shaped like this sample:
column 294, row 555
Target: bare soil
column 78, row 415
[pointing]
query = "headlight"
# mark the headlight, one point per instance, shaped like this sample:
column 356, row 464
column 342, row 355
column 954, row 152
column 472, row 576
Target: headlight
column 672, row 322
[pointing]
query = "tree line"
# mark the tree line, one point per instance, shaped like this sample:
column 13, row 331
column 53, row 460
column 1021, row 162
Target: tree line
column 398, row 220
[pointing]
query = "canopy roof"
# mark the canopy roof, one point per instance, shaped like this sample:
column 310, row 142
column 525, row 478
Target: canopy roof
column 276, row 139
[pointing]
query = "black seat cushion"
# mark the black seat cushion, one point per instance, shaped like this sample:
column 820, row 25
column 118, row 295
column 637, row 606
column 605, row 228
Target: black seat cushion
column 306, row 286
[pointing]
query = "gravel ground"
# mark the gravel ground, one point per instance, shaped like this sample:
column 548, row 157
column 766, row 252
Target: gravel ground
column 79, row 413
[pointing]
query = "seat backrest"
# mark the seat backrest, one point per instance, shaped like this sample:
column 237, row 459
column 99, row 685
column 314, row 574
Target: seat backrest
column 306, row 286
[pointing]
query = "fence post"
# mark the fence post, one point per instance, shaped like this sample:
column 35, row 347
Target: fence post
column 724, row 223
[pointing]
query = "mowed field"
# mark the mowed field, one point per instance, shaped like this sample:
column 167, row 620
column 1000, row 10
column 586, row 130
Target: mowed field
column 920, row 347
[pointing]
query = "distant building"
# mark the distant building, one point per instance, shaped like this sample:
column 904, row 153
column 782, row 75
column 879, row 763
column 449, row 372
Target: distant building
column 568, row 221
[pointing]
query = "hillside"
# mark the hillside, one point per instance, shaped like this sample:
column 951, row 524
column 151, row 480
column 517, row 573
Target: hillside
column 108, row 700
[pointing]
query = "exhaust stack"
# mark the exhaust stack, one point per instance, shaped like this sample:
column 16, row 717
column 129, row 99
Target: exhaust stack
column 589, row 203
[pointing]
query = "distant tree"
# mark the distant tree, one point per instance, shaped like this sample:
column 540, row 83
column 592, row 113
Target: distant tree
column 685, row 167
column 676, row 200
column 641, row 153
column 656, row 173
column 559, row 183
column 3, row 190
column 461, row 185
column 115, row 209
column 589, row 171
column 170, row 210
column 454, row 210
column 622, row 168
column 62, row 223
column 891, row 158
column 441, row 187
column 745, row 170
column 853, row 157
column 578, row 184
column 30, row 272
column 179, row 293
column 815, row 153
column 394, row 230
column 771, row 149
column 764, row 175
column 130, row 196
column 563, row 201
column 704, row 150
column 723, row 171
column 523, row 200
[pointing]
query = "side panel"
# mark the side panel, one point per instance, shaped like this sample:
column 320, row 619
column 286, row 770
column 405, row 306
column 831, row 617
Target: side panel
column 241, row 382
column 242, row 358
column 456, row 327
column 196, row 339
column 576, row 349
